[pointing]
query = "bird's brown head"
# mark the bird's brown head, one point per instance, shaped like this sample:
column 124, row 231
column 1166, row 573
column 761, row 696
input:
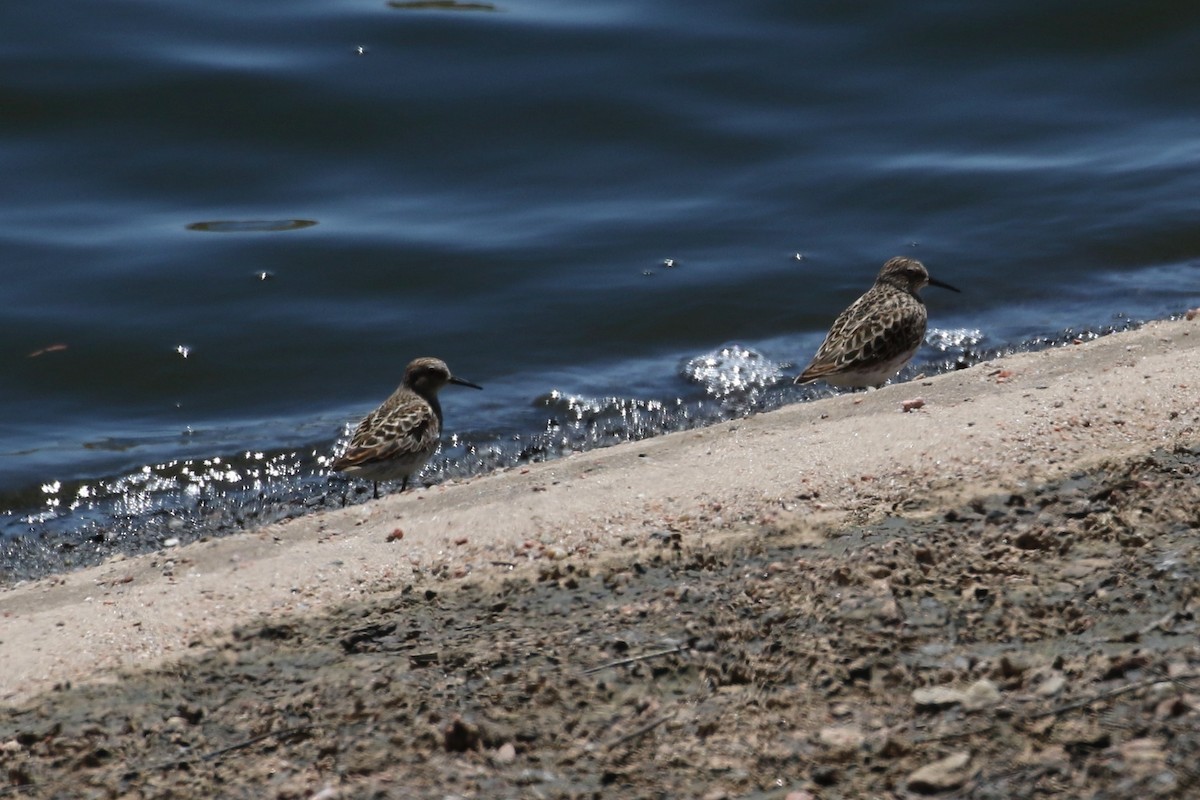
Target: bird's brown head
column 908, row 275
column 428, row 375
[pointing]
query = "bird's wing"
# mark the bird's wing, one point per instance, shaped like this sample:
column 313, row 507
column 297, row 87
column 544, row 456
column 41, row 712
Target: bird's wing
column 388, row 433
column 866, row 333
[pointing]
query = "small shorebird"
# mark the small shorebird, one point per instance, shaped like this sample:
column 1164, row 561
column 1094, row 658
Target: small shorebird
column 394, row 441
column 879, row 333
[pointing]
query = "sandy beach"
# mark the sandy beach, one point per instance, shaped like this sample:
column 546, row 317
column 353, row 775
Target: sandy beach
column 791, row 579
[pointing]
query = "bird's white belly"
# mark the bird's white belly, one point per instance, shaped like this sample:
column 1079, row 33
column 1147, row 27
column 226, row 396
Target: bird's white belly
column 875, row 375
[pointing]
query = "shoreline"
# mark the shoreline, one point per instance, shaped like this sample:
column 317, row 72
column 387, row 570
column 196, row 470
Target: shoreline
column 219, row 510
column 845, row 459
column 211, row 513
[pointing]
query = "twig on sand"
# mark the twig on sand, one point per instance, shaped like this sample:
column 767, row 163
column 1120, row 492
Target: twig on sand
column 215, row 754
column 1183, row 681
column 945, row 737
column 283, row 734
column 1162, row 622
column 1120, row 690
column 639, row 733
column 683, row 648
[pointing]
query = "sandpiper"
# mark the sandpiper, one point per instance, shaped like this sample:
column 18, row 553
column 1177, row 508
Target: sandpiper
column 879, row 333
column 394, row 441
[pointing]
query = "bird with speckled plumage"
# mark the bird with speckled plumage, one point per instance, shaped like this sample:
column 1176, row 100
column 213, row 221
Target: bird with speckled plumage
column 879, row 333
column 395, row 441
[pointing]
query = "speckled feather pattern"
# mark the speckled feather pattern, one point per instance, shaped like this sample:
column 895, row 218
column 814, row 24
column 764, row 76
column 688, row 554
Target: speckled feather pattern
column 395, row 441
column 878, row 334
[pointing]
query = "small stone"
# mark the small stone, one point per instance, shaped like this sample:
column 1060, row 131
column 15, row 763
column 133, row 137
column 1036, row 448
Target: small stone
column 1052, row 685
column 506, row 753
column 172, row 542
column 889, row 610
column 936, row 698
column 949, row 773
column 980, row 695
column 840, row 710
column 841, row 740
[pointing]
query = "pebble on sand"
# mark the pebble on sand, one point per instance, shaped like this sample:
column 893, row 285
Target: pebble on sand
column 936, row 698
column 949, row 773
column 980, row 695
column 842, row 741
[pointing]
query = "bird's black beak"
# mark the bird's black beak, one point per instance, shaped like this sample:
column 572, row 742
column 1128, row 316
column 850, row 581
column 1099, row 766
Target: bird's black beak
column 461, row 382
column 943, row 285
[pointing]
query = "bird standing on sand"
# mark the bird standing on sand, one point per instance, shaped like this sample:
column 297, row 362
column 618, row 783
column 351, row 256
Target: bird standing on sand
column 395, row 440
column 879, row 333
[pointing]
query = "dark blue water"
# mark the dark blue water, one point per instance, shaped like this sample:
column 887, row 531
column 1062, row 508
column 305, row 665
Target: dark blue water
column 226, row 226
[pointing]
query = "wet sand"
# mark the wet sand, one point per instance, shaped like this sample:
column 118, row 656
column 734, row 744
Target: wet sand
column 810, row 568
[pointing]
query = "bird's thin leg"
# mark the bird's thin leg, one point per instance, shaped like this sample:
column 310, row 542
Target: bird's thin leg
column 345, row 482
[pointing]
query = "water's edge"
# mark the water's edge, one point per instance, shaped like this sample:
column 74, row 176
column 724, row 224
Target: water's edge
column 73, row 525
